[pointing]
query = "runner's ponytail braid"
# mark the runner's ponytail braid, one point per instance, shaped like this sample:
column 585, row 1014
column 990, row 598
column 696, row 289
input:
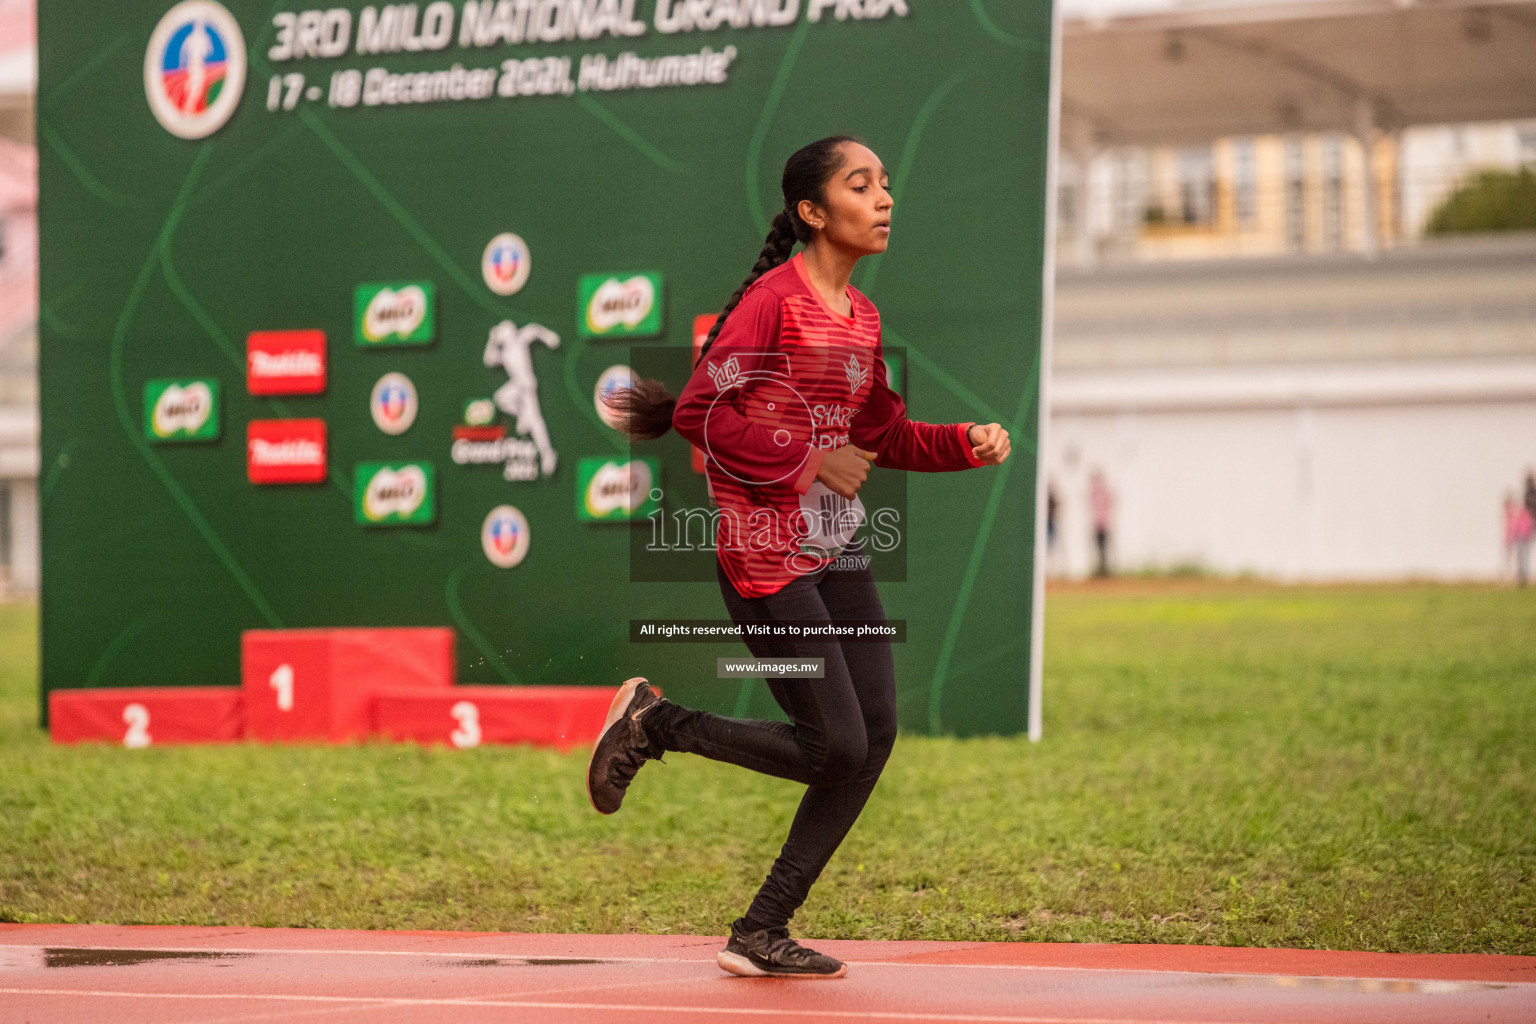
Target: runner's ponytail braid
column 776, row 250
column 644, row 409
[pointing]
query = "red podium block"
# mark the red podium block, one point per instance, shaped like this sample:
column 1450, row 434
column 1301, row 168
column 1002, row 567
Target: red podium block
column 320, row 684
column 467, row 716
column 147, row 716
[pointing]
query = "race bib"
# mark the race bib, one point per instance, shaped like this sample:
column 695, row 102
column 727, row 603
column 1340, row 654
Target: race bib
column 830, row 521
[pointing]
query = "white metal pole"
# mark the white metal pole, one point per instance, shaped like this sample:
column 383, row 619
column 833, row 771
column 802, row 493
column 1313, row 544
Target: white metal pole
column 1043, row 406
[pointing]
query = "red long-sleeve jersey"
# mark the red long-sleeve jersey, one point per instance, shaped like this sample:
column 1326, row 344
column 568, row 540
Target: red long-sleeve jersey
column 787, row 380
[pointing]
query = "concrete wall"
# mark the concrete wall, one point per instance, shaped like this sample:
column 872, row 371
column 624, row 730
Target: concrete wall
column 23, row 578
column 1301, row 419
column 1299, row 493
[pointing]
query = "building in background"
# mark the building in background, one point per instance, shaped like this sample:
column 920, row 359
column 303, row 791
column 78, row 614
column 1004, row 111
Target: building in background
column 1324, row 418
column 1255, row 343
column 1271, row 195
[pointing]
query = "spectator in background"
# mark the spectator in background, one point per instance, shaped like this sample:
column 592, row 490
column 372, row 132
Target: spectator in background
column 1530, row 493
column 1051, row 505
column 1052, row 521
column 1518, row 527
column 1101, row 504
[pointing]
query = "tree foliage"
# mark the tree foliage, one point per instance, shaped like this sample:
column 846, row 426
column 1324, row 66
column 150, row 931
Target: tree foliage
column 1490, row 201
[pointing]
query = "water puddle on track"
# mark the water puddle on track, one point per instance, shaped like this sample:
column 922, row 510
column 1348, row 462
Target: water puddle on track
column 1370, row 985
column 70, row 956
column 521, row 961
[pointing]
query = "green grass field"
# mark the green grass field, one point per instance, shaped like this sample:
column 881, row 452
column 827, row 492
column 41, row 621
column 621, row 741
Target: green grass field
column 1223, row 764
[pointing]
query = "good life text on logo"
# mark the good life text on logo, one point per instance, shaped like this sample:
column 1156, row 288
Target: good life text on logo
column 531, row 454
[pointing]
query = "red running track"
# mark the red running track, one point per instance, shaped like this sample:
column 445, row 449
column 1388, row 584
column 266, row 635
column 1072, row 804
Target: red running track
column 64, row 974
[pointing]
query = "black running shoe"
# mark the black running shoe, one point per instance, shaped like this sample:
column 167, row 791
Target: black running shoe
column 622, row 747
column 771, row 953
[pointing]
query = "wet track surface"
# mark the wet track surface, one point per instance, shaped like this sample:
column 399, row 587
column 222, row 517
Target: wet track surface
column 59, row 973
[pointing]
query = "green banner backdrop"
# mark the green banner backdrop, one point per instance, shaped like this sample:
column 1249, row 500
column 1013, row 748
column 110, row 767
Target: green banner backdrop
column 486, row 207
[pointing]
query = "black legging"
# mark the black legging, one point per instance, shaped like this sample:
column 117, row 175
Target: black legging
column 840, row 732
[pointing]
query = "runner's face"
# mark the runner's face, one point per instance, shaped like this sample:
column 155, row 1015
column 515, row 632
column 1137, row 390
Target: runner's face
column 857, row 214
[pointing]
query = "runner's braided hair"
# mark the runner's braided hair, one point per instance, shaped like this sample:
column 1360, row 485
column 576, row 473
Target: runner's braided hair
column 644, row 409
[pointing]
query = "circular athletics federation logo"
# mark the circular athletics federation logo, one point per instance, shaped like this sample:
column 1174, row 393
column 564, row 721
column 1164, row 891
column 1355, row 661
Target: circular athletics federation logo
column 504, row 537
column 194, row 69
column 393, row 403
column 613, row 378
column 506, row 264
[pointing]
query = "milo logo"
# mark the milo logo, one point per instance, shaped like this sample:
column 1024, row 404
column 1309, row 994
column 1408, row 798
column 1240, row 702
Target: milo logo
column 390, row 494
column 613, row 305
column 181, row 410
column 607, row 490
column 393, row 314
column 617, row 303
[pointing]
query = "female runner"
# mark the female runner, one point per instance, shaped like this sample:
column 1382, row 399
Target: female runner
column 790, row 404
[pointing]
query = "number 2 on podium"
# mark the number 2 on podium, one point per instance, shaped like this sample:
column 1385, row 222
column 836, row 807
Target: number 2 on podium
column 136, row 718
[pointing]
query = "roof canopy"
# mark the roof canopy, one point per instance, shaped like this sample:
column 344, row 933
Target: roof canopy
column 1195, row 74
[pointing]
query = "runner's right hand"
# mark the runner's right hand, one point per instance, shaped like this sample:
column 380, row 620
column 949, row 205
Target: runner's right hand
column 845, row 469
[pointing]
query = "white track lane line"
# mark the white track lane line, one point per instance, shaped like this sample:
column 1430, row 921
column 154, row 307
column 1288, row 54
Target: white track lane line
column 675, row 982
column 534, row 958
column 651, row 1008
column 284, row 1014
column 287, row 1014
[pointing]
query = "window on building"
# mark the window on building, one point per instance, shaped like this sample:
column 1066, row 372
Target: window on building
column 1333, row 192
column 1245, row 183
column 1295, row 196
column 1131, row 190
column 1526, row 134
column 1197, row 185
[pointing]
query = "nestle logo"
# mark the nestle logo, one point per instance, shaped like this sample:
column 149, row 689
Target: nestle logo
column 285, row 362
column 285, row 451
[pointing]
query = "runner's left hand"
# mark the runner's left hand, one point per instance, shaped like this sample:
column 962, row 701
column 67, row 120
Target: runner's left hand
column 990, row 443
